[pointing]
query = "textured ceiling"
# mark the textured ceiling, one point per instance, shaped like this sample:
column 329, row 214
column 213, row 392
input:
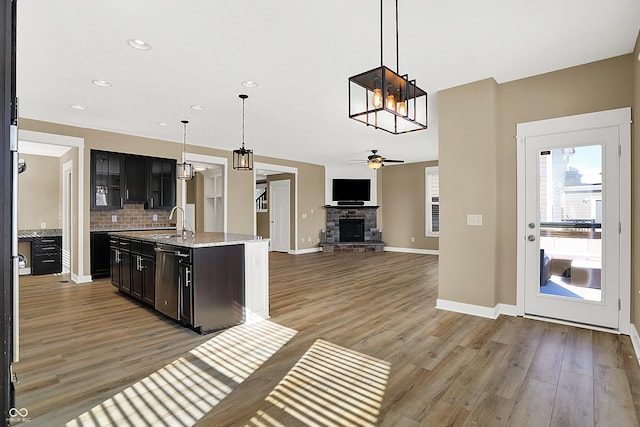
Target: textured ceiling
column 301, row 54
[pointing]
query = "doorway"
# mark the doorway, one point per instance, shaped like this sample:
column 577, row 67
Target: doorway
column 279, row 214
column 276, row 219
column 67, row 209
column 572, row 180
column 204, row 197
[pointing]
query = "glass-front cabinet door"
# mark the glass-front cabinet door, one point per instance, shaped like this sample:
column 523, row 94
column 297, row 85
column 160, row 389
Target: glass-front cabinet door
column 106, row 180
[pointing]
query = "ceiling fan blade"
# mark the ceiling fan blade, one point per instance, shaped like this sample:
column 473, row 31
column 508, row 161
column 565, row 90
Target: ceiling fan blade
column 393, row 161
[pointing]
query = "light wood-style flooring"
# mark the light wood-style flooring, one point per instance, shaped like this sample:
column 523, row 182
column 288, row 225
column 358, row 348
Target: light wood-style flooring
column 354, row 339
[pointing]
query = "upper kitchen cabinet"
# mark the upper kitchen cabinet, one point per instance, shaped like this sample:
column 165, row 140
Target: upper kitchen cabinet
column 106, row 180
column 162, row 183
column 118, row 178
column 136, row 175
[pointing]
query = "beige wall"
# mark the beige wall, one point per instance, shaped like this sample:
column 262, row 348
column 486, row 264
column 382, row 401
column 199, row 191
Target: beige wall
column 635, row 189
column 467, row 165
column 402, row 215
column 39, row 193
column 478, row 150
column 262, row 224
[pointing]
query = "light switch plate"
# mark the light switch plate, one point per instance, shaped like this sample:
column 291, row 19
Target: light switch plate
column 114, row 218
column 474, row 219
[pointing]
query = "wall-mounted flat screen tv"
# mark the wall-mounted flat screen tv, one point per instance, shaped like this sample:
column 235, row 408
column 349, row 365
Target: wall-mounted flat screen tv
column 356, row 190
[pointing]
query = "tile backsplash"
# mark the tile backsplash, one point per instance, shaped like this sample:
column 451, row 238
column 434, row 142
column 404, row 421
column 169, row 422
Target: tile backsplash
column 132, row 216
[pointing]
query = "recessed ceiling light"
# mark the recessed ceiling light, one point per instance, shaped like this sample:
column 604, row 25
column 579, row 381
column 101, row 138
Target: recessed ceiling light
column 139, row 44
column 102, row 83
column 197, row 107
column 78, row 107
column 163, row 124
column 249, row 83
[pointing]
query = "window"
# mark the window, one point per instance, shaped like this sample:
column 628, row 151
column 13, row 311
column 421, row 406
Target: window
column 432, row 208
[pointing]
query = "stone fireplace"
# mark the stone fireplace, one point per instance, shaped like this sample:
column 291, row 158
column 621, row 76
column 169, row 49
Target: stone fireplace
column 351, row 228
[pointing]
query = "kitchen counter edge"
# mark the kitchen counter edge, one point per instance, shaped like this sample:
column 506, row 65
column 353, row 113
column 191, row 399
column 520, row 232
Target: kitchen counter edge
column 199, row 240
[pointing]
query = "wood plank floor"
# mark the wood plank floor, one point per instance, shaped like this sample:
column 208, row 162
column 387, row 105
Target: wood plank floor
column 354, row 339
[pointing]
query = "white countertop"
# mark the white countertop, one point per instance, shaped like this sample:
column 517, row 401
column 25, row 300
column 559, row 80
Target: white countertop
column 199, row 239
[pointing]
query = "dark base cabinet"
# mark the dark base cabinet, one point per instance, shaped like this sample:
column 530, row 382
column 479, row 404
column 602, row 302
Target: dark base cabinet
column 212, row 290
column 100, row 257
column 133, row 268
column 46, row 255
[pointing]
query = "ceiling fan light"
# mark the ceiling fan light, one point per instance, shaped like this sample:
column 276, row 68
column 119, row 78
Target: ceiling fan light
column 374, row 165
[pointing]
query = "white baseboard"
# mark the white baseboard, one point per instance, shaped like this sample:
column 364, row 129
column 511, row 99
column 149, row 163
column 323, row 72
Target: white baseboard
column 306, row 251
column 81, row 279
column 477, row 310
column 411, row 250
column 635, row 340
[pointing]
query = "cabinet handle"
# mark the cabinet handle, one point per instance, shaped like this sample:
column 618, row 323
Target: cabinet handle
column 48, row 240
column 152, row 202
column 118, row 257
column 48, row 260
column 188, row 276
column 121, row 202
column 48, row 248
column 127, row 194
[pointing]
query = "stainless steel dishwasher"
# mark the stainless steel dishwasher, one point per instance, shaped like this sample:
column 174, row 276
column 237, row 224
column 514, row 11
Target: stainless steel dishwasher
column 168, row 278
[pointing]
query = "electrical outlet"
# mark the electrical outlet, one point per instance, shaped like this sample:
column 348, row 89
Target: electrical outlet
column 304, row 216
column 114, row 218
column 309, row 239
column 413, row 239
column 43, row 225
column 311, row 211
column 155, row 218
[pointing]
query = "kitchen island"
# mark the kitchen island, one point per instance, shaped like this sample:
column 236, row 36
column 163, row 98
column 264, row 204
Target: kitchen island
column 206, row 281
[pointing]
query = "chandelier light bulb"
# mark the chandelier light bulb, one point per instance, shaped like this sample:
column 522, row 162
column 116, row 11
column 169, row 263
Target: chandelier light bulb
column 391, row 102
column 377, row 98
column 402, row 108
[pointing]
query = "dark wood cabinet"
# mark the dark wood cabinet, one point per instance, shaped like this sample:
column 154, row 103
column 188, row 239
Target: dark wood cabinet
column 106, row 180
column 216, row 288
column 125, row 265
column 136, row 178
column 114, row 256
column 186, row 293
column 148, row 266
column 118, row 178
column 133, row 268
column 46, row 255
column 143, row 271
column 100, row 254
column 162, row 183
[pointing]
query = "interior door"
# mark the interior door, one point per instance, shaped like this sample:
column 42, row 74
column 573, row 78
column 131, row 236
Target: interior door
column 279, row 214
column 572, row 212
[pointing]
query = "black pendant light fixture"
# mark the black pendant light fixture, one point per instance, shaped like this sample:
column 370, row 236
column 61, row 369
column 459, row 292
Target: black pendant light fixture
column 386, row 100
column 185, row 170
column 243, row 158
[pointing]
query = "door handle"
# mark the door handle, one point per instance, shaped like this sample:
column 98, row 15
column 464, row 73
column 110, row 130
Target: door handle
column 531, row 237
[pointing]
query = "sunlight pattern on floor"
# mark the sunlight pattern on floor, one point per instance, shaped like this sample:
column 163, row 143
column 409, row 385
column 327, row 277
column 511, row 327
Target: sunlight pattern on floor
column 183, row 391
column 329, row 386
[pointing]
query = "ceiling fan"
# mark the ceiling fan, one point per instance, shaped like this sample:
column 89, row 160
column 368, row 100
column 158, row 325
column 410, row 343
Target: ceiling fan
column 376, row 161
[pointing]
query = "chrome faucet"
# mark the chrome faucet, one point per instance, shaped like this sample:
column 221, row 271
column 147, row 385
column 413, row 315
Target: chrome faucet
column 185, row 226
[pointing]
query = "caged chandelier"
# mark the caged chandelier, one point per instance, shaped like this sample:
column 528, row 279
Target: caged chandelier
column 185, row 170
column 385, row 99
column 242, row 157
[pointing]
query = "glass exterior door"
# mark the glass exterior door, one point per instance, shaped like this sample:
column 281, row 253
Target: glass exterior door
column 572, row 210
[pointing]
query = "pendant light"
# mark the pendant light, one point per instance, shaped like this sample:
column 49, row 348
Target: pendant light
column 385, row 99
column 185, row 170
column 243, row 158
